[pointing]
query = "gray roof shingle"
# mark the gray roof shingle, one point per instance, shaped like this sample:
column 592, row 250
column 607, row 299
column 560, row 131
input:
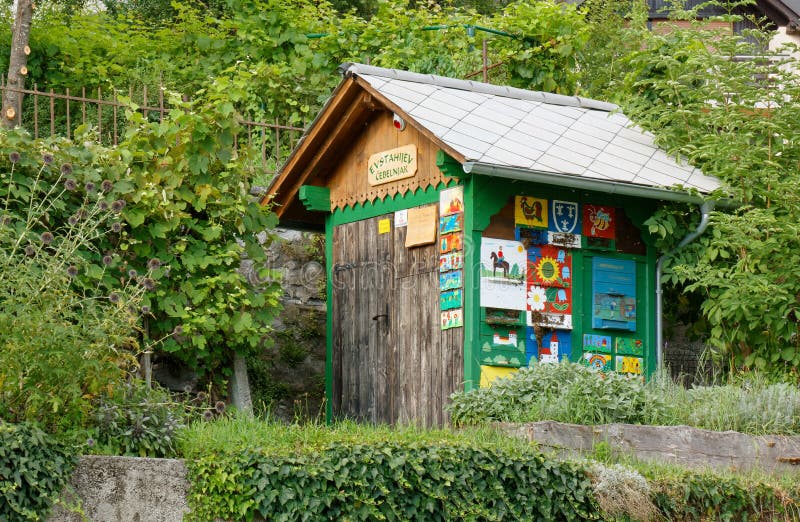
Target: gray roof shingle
column 542, row 132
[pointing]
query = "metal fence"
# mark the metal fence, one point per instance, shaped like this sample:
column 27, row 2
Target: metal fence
column 48, row 113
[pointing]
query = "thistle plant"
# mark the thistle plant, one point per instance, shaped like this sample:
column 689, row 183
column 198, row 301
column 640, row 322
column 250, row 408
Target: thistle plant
column 68, row 325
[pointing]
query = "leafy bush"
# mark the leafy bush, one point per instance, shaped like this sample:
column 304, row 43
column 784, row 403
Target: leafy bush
column 563, row 392
column 751, row 407
column 693, row 496
column 137, row 421
column 241, row 468
column 33, row 471
column 66, row 325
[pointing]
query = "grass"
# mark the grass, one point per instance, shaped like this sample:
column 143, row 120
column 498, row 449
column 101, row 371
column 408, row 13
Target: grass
column 241, row 431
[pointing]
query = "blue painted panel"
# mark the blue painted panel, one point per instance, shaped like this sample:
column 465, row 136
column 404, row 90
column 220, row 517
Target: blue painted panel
column 562, row 337
column 614, row 294
column 564, row 217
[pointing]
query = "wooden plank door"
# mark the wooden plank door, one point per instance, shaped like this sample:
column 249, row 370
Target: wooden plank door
column 391, row 361
column 362, row 292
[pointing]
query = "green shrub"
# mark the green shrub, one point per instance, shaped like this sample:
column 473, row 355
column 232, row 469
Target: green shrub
column 390, row 481
column 67, row 324
column 563, row 392
column 137, row 421
column 751, row 407
column 33, row 471
column 693, row 496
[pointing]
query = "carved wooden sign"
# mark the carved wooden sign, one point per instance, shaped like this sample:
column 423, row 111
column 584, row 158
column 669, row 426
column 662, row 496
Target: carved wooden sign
column 392, row 165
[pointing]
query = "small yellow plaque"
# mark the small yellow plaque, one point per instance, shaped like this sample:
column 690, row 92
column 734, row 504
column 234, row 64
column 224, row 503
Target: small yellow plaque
column 392, row 165
column 384, row 226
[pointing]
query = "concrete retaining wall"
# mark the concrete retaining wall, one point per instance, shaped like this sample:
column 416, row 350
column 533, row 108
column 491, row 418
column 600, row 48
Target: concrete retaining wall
column 683, row 445
column 127, row 489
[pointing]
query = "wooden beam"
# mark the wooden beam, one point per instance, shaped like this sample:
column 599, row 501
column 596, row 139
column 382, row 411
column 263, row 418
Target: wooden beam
column 315, row 199
column 277, row 192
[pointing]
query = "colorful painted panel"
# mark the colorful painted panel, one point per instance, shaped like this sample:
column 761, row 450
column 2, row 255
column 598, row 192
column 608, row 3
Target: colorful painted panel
column 631, row 365
column 503, row 271
column 530, row 211
column 531, row 237
column 452, row 261
column 599, row 221
column 563, row 321
column 450, row 242
column 451, row 299
column 564, row 239
column 451, row 223
column 451, row 201
column 597, row 361
column 490, row 373
column 557, row 346
column 597, row 343
column 550, row 266
column 450, row 280
column 452, row 318
column 565, row 217
column 613, row 311
column 630, row 346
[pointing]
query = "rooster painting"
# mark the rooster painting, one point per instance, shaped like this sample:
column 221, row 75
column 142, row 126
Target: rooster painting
column 531, row 211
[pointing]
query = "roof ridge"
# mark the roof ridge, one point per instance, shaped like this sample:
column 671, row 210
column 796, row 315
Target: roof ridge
column 351, row 68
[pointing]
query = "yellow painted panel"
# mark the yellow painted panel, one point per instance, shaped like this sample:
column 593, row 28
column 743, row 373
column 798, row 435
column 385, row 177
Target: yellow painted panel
column 490, row 373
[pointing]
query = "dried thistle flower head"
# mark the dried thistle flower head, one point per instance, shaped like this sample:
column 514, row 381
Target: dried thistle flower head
column 14, row 157
column 148, row 284
column 106, row 186
column 70, row 184
column 72, row 270
column 30, row 251
column 145, row 309
column 116, row 227
column 103, row 205
column 178, row 330
column 132, row 273
column 107, row 259
column 113, row 297
column 47, row 238
column 48, row 158
column 66, row 169
column 118, row 205
column 154, row 264
column 90, row 187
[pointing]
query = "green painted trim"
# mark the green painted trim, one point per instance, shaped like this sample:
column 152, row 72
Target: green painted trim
column 389, row 204
column 329, row 319
column 315, row 199
column 472, row 311
column 450, row 167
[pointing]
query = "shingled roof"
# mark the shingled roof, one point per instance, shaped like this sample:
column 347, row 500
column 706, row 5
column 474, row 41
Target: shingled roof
column 530, row 130
column 491, row 130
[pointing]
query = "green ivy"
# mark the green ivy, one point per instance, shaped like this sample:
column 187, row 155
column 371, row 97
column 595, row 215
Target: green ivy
column 392, row 481
column 33, row 471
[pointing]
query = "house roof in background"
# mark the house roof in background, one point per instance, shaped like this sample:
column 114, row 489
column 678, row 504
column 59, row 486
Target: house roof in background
column 531, row 131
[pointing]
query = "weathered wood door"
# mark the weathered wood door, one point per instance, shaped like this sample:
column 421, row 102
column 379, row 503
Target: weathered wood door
column 391, row 361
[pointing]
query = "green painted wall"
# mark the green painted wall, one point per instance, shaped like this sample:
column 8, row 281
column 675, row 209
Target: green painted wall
column 486, row 196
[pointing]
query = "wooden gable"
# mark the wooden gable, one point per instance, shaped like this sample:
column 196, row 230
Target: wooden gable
column 355, row 123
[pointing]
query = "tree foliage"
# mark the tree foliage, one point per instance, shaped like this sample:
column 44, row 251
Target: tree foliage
column 734, row 119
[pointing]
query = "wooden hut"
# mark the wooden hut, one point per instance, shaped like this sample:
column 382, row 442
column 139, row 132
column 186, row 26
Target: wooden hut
column 471, row 228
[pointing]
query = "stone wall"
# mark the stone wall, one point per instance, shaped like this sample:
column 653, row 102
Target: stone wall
column 683, row 445
column 127, row 489
column 288, row 376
